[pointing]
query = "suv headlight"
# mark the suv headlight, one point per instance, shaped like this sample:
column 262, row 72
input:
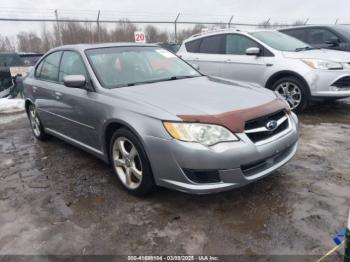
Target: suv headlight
column 322, row 64
column 205, row 134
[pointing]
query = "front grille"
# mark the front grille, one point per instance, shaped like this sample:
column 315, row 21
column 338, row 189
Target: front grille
column 263, row 164
column 257, row 131
column 343, row 82
column 202, row 176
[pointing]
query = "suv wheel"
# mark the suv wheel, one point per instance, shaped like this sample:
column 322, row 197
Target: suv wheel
column 294, row 91
column 35, row 123
column 130, row 163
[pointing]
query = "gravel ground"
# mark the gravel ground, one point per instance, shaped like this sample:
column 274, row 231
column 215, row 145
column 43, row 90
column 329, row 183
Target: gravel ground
column 57, row 199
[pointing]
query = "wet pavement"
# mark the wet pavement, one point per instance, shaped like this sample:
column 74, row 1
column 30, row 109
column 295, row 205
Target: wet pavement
column 57, row 199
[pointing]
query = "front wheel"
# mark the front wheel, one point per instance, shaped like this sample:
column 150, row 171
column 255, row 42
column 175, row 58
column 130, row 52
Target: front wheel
column 130, row 163
column 294, row 91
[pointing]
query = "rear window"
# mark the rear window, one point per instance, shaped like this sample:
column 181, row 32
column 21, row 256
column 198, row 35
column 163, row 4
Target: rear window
column 193, row 46
column 48, row 68
column 212, row 45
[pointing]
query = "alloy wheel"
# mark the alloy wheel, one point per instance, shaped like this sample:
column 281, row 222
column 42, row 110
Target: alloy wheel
column 127, row 162
column 291, row 92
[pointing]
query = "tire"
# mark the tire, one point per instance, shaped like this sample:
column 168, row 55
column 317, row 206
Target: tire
column 130, row 163
column 35, row 124
column 297, row 101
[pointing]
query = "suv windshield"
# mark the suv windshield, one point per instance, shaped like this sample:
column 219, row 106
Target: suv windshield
column 127, row 66
column 343, row 29
column 280, row 41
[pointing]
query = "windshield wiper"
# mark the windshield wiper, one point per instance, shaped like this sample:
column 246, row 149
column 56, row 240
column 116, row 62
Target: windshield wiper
column 159, row 80
column 306, row 48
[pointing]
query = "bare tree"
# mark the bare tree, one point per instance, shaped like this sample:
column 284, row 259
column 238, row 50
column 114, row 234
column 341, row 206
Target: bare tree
column 123, row 32
column 28, row 42
column 6, row 44
column 153, row 35
column 186, row 33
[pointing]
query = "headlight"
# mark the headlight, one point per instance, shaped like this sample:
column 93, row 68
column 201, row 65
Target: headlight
column 205, row 134
column 322, row 64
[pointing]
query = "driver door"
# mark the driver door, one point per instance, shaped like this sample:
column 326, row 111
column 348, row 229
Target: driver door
column 237, row 65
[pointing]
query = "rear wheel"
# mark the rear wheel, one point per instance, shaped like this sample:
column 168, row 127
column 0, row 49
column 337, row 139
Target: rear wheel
column 294, row 91
column 35, row 123
column 130, row 163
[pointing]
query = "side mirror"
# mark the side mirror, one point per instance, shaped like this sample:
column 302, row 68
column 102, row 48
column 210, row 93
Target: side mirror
column 75, row 81
column 195, row 66
column 253, row 51
column 333, row 41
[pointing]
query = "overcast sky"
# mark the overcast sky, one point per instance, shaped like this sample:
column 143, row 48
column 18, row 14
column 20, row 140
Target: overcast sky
column 319, row 11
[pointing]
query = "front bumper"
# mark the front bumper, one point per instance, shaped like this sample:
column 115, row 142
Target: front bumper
column 169, row 159
column 322, row 83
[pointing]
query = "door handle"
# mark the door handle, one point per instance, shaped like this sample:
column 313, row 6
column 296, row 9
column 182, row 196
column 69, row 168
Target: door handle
column 34, row 89
column 58, row 95
column 228, row 60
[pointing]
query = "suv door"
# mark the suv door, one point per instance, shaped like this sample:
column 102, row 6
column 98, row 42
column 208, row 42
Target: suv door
column 239, row 66
column 76, row 107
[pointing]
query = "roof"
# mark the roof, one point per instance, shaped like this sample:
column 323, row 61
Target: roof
column 82, row 47
column 312, row 26
column 229, row 30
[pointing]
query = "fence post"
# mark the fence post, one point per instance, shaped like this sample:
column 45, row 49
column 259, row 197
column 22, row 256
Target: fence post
column 229, row 22
column 98, row 26
column 58, row 29
column 175, row 24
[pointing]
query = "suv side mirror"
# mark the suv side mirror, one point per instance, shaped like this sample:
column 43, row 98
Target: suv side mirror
column 253, row 51
column 333, row 41
column 75, row 81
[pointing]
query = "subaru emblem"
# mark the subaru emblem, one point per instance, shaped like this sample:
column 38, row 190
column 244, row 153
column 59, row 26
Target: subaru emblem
column 271, row 125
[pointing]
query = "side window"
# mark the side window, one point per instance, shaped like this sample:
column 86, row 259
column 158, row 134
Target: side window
column 71, row 64
column 319, row 35
column 193, row 46
column 298, row 33
column 38, row 69
column 49, row 68
column 212, row 45
column 238, row 44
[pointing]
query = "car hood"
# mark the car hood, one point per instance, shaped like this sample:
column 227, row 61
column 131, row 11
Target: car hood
column 333, row 55
column 199, row 95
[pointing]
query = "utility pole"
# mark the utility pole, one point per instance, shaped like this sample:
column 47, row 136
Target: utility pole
column 98, row 26
column 175, row 24
column 58, row 36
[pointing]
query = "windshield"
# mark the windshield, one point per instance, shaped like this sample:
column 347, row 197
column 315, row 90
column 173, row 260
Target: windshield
column 126, row 66
column 344, row 30
column 280, row 41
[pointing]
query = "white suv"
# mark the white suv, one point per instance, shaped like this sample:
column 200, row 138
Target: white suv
column 274, row 60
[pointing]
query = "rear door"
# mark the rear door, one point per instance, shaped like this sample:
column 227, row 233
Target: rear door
column 43, row 89
column 235, row 64
column 206, row 53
